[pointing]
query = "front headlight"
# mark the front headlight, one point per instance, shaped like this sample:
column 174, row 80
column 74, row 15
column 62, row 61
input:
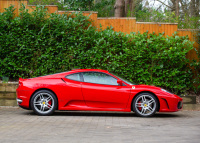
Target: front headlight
column 166, row 91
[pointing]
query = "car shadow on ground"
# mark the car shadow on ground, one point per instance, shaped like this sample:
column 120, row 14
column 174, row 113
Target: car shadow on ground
column 108, row 114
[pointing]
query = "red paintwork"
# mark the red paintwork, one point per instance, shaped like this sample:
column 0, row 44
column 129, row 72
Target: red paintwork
column 75, row 95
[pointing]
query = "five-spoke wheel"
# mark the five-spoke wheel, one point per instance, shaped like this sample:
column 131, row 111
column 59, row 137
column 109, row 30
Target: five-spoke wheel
column 43, row 102
column 145, row 105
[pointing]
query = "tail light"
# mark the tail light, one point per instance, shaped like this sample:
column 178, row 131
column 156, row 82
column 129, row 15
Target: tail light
column 20, row 81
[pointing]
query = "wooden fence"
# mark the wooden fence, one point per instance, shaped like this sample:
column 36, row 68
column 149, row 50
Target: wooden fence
column 125, row 25
column 6, row 3
column 191, row 33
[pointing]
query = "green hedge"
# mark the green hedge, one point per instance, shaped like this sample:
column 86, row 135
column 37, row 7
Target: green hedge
column 34, row 45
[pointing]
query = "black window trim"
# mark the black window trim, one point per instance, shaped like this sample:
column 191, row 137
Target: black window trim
column 81, row 73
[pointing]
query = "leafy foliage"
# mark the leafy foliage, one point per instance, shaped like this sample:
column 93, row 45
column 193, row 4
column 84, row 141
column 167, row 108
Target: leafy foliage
column 152, row 15
column 196, row 66
column 188, row 22
column 105, row 8
column 80, row 5
column 39, row 43
column 43, row 2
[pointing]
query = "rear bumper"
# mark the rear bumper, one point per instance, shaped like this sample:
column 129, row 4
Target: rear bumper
column 23, row 98
column 26, row 108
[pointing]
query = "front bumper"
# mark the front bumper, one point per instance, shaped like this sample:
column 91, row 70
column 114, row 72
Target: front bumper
column 180, row 105
column 171, row 103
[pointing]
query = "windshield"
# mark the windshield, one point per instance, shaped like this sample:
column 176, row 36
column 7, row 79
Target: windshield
column 125, row 80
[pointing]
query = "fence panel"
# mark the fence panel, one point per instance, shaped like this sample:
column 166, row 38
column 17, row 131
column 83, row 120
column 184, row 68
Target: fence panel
column 167, row 28
column 125, row 25
column 50, row 8
column 191, row 33
column 6, row 3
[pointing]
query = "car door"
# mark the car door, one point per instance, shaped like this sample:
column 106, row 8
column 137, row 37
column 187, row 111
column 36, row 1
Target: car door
column 73, row 96
column 101, row 90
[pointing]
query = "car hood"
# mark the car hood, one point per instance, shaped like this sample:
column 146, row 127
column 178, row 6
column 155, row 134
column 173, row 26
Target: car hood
column 143, row 86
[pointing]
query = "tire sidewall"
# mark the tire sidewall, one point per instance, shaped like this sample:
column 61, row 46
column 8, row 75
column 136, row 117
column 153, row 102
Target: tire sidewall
column 134, row 102
column 54, row 98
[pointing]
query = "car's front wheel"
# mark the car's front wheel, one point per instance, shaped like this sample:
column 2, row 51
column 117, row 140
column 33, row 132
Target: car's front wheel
column 43, row 102
column 145, row 105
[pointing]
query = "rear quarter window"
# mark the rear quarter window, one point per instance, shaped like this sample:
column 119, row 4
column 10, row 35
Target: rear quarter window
column 75, row 76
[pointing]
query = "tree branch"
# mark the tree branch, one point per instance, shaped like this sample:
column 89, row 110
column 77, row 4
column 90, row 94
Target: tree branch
column 165, row 4
column 183, row 7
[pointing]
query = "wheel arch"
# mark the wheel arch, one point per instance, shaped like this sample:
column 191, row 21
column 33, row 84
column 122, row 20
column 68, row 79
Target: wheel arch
column 145, row 92
column 43, row 89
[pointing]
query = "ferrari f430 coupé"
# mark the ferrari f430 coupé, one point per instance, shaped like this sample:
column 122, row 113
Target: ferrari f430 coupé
column 93, row 90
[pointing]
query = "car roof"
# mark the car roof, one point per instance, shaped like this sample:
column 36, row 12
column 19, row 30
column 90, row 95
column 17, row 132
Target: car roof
column 62, row 74
column 85, row 70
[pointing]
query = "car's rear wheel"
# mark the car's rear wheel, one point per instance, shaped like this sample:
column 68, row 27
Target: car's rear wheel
column 43, row 102
column 145, row 105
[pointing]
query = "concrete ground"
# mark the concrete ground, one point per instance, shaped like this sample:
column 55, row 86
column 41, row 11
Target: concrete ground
column 22, row 126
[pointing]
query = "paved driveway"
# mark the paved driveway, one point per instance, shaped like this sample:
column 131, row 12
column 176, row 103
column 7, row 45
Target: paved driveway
column 22, row 126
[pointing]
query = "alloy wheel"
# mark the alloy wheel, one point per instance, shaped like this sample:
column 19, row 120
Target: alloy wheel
column 145, row 105
column 43, row 103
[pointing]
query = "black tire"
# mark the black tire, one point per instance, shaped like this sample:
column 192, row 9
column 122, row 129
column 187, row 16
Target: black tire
column 41, row 106
column 145, row 108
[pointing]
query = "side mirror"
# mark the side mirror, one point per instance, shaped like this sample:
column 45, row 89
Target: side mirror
column 119, row 82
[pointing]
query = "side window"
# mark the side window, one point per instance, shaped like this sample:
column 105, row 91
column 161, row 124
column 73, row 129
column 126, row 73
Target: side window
column 99, row 78
column 74, row 76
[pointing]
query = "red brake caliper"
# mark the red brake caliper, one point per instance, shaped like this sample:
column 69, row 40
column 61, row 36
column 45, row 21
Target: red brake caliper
column 49, row 102
column 139, row 108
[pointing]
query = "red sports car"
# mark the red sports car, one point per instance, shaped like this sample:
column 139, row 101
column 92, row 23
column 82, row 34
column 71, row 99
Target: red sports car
column 93, row 90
